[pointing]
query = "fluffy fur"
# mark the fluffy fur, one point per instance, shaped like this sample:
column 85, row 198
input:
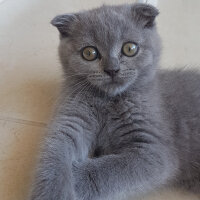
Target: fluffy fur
column 133, row 133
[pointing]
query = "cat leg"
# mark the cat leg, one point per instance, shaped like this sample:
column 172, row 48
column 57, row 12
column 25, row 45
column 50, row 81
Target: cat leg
column 53, row 175
column 68, row 139
column 137, row 172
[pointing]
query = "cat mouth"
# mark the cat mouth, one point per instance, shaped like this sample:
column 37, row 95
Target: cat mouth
column 126, row 74
column 115, row 80
column 113, row 84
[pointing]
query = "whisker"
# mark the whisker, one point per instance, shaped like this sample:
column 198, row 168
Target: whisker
column 79, row 74
column 80, row 92
column 76, row 87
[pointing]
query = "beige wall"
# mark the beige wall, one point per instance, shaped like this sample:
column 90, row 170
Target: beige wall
column 30, row 75
column 179, row 26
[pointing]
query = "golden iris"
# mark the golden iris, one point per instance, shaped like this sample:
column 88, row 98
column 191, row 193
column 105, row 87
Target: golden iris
column 90, row 53
column 130, row 49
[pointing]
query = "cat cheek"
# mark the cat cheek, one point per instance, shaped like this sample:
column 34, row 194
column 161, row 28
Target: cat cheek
column 145, row 59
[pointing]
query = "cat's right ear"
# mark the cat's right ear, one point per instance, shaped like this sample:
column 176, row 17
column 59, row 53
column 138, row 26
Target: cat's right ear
column 64, row 23
column 144, row 14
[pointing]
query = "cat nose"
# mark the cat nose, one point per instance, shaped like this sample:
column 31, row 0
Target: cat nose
column 111, row 72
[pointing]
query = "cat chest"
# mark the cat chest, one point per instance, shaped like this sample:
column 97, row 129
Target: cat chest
column 117, row 129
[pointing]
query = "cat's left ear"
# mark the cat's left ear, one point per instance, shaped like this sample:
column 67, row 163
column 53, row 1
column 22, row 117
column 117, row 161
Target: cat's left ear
column 144, row 14
column 64, row 23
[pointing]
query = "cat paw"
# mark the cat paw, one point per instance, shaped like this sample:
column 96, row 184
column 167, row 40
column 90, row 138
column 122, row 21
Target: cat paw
column 84, row 181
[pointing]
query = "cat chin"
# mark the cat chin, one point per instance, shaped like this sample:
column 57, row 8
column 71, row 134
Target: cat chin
column 114, row 89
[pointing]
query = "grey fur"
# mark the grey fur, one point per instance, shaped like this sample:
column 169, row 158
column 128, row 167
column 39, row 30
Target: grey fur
column 132, row 136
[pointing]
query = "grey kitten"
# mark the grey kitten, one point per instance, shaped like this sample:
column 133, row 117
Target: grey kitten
column 122, row 126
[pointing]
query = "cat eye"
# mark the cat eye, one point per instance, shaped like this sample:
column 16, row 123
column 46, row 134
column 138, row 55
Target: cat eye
column 130, row 49
column 90, row 53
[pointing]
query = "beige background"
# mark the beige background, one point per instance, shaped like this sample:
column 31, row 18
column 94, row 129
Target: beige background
column 30, row 76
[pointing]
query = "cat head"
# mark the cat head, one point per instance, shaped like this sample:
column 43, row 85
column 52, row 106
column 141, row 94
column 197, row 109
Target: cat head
column 111, row 47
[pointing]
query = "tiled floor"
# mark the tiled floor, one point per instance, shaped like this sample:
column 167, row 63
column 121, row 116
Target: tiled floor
column 30, row 76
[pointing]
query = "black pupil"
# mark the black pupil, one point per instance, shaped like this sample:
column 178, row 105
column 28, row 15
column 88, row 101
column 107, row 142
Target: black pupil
column 88, row 52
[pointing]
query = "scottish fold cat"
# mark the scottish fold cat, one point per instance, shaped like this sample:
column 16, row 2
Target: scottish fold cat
column 122, row 125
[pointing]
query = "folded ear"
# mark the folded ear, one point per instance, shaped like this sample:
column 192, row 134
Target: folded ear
column 64, row 23
column 144, row 14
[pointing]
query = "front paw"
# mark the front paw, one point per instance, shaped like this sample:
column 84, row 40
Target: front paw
column 52, row 186
column 85, row 181
column 52, row 192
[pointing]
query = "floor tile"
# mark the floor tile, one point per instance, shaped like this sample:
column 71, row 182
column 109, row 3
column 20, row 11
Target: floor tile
column 19, row 147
